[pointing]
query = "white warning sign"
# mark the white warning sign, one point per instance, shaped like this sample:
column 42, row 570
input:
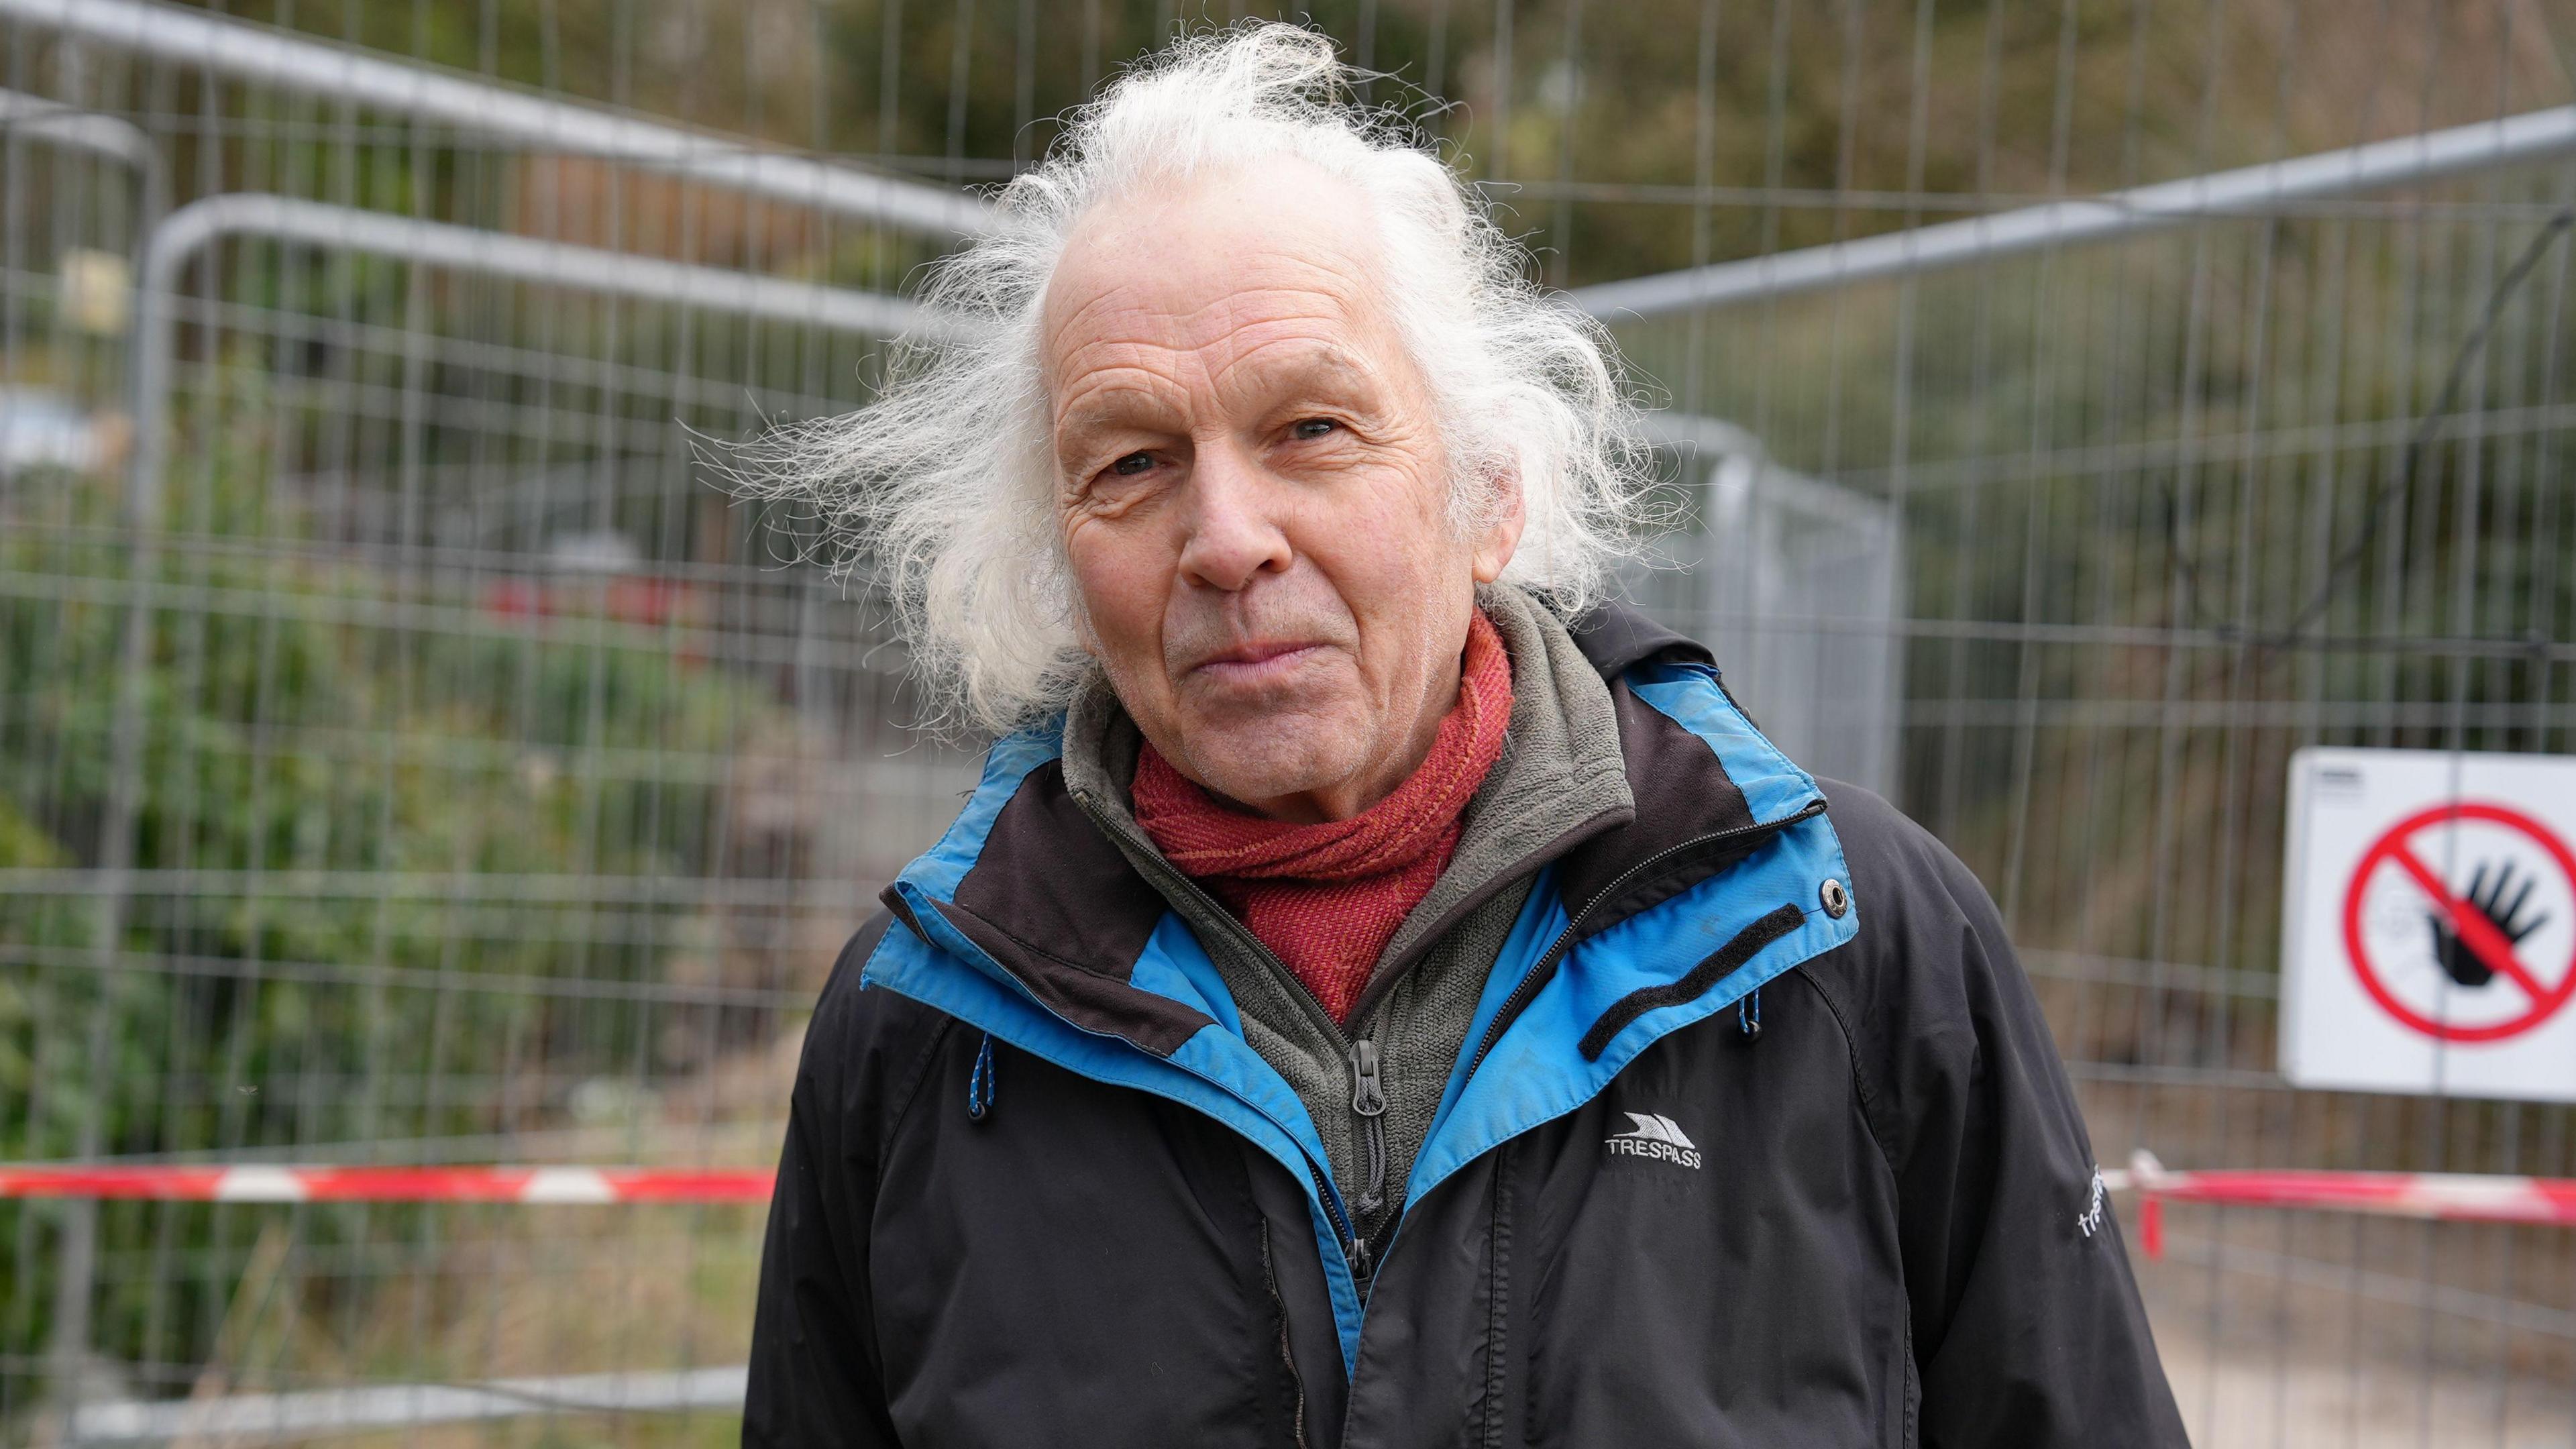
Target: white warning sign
column 2428, row 940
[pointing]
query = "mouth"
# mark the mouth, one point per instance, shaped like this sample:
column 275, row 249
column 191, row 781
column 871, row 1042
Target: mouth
column 1255, row 664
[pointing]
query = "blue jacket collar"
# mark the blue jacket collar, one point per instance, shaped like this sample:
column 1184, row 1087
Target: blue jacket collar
column 1023, row 876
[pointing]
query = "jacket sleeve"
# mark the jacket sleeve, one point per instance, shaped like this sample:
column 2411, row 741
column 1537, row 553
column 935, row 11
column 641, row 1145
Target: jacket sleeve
column 2027, row 1326
column 816, row 1377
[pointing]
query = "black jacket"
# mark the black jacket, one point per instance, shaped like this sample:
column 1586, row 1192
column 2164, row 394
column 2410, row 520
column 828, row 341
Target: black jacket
column 1760, row 1140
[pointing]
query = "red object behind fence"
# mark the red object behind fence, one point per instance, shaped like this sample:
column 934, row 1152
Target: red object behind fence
column 391, row 1184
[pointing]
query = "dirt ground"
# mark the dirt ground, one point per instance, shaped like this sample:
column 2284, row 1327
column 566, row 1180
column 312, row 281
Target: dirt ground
column 2302, row 1332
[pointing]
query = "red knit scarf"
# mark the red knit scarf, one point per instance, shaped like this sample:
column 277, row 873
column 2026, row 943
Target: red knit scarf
column 1327, row 897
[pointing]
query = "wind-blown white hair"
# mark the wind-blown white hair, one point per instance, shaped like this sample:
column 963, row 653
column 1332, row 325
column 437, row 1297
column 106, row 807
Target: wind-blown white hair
column 943, row 489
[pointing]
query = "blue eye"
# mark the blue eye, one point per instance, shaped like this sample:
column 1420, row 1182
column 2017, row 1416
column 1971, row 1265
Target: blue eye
column 1132, row 464
column 1311, row 428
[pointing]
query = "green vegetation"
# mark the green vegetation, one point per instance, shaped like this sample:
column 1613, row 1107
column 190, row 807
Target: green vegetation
column 342, row 932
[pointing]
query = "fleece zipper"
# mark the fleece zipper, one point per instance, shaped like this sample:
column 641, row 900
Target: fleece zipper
column 1368, row 1124
column 1368, row 1104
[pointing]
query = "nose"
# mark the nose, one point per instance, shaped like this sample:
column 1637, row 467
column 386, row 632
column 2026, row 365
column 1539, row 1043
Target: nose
column 1235, row 532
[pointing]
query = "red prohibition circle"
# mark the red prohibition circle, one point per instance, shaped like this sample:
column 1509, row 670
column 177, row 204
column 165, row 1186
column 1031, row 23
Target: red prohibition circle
column 2382, row 851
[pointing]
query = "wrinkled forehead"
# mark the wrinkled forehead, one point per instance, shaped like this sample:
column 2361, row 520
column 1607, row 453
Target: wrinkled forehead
column 1278, row 252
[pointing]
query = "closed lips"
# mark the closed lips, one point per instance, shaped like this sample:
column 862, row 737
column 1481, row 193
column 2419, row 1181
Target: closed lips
column 1252, row 658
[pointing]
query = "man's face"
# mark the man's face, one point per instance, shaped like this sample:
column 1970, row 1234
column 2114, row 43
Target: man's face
column 1253, row 492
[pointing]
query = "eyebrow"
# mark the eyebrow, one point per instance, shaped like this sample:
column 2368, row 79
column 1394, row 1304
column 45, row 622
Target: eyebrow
column 1120, row 408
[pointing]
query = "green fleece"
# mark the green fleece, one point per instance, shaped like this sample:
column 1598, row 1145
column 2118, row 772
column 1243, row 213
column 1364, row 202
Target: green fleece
column 1561, row 778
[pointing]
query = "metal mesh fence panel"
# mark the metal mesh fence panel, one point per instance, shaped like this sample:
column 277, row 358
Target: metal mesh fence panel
column 408, row 755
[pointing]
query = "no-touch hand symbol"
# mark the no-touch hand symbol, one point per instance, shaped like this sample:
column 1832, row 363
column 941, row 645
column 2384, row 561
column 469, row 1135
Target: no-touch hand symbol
column 2479, row 935
column 2465, row 963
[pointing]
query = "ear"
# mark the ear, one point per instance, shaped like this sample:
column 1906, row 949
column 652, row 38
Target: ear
column 1501, row 535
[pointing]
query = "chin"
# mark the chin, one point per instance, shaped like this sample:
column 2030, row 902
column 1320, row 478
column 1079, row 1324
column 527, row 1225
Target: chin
column 1268, row 759
column 1294, row 735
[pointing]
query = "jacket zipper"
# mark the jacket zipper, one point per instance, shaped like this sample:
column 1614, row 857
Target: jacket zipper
column 1369, row 1131
column 1528, row 986
column 1354, row 1247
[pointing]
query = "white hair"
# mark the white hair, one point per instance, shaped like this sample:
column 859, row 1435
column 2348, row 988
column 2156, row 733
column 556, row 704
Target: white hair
column 943, row 488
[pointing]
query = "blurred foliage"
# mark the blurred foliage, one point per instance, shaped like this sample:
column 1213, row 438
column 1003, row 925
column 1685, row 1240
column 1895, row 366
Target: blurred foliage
column 318, row 795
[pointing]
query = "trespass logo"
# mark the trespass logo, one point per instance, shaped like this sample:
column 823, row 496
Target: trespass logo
column 1657, row 1137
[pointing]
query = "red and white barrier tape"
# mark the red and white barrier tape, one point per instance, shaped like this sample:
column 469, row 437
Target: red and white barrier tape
column 390, row 1184
column 2446, row 1196
column 2451, row 1196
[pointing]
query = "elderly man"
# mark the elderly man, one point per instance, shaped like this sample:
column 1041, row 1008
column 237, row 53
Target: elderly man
column 1381, row 994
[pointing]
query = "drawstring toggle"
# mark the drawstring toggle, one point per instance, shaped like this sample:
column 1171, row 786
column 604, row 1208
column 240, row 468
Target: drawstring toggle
column 979, row 1083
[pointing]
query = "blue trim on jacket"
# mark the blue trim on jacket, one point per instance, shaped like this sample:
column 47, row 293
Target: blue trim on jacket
column 1533, row 1074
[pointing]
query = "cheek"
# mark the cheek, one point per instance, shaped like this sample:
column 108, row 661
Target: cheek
column 1122, row 574
column 1388, row 547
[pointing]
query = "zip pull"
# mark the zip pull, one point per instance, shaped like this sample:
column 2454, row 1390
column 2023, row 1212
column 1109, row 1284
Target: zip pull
column 1368, row 1102
column 1367, row 1098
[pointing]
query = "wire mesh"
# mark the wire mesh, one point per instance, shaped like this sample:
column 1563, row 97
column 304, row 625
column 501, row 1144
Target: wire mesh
column 424, row 763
